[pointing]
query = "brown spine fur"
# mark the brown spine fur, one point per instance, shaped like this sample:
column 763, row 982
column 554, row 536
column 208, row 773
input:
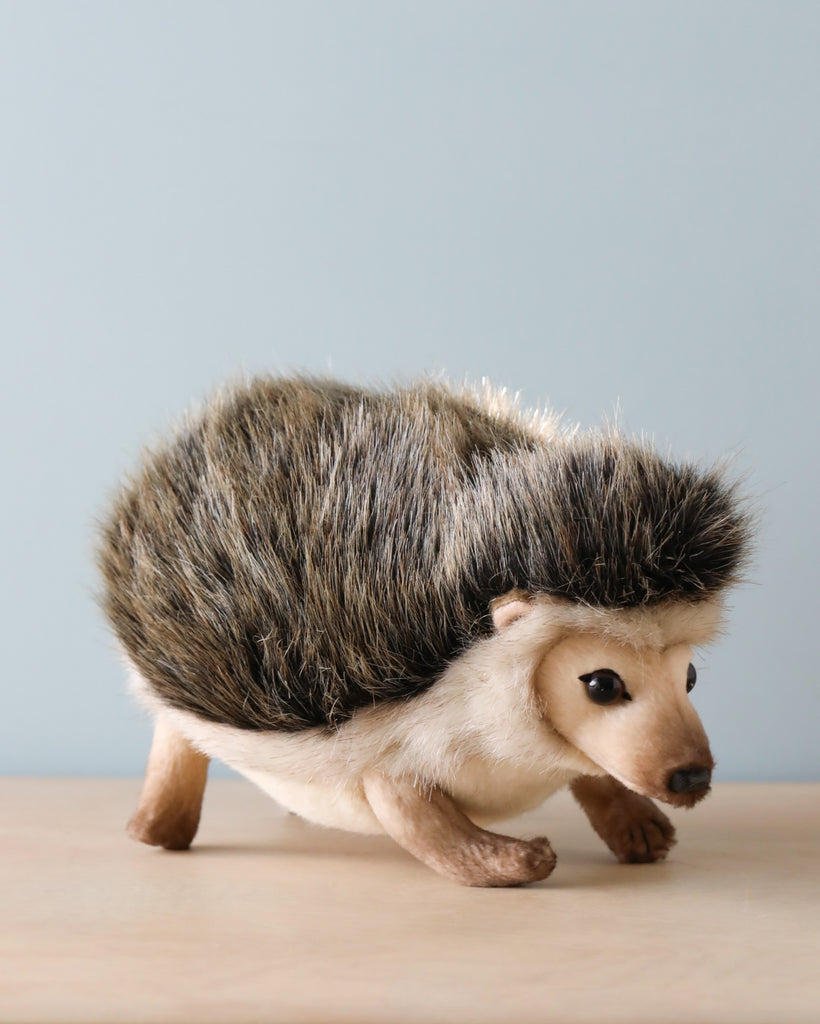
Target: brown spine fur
column 303, row 549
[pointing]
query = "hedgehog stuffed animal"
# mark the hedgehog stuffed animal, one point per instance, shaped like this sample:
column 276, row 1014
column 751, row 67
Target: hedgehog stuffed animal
column 419, row 611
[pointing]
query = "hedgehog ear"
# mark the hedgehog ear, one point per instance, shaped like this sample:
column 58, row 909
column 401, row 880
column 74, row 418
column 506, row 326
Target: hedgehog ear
column 510, row 607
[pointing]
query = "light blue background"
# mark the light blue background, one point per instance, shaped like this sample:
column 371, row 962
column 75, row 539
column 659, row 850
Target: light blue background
column 590, row 202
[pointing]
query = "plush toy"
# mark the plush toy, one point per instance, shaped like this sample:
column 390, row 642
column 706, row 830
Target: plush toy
column 420, row 611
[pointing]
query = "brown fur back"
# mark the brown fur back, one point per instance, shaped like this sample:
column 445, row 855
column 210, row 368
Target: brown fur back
column 303, row 549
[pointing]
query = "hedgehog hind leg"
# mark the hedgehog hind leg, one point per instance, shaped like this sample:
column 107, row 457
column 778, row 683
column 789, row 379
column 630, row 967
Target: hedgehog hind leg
column 430, row 827
column 171, row 800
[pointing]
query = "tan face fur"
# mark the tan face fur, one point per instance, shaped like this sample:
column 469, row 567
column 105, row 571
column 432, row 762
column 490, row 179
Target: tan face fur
column 640, row 741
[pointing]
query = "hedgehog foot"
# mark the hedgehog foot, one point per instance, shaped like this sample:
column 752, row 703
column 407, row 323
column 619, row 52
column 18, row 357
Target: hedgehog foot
column 171, row 798
column 631, row 825
column 433, row 829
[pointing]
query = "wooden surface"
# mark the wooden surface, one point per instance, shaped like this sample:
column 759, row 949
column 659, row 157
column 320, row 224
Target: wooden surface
column 271, row 919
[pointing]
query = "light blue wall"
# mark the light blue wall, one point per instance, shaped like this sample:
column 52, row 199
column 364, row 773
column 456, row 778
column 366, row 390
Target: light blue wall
column 591, row 202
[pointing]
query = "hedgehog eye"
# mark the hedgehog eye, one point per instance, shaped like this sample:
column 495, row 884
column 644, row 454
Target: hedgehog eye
column 604, row 686
column 691, row 677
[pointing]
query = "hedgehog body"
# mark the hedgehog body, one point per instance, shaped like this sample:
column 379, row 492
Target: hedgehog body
column 419, row 611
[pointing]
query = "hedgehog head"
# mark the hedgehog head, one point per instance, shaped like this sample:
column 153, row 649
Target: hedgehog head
column 623, row 574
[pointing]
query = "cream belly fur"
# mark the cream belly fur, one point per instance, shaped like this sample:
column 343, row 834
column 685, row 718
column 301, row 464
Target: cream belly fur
column 486, row 790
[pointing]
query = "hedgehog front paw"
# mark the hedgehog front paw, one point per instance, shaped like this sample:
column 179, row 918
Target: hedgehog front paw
column 631, row 825
column 642, row 839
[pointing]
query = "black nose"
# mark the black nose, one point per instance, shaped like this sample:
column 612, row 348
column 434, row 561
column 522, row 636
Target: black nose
column 687, row 780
